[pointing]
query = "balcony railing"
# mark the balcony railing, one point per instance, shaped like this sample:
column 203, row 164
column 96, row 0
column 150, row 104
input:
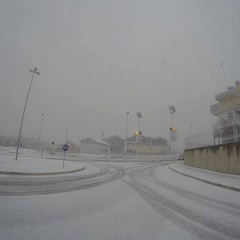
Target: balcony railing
column 226, row 131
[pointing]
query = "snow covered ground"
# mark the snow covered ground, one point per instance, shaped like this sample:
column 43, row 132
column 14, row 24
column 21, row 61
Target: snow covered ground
column 30, row 161
column 224, row 180
column 150, row 201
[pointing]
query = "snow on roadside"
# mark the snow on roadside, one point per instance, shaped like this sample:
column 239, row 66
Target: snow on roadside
column 30, row 161
column 220, row 178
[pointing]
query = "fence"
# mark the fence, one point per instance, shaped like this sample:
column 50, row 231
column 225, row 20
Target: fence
column 224, row 131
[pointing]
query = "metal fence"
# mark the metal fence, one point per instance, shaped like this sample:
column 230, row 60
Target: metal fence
column 224, row 131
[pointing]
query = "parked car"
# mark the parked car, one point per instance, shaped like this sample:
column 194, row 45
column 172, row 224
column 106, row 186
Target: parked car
column 180, row 157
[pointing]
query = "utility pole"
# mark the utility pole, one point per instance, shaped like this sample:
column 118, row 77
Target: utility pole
column 19, row 136
column 126, row 137
column 40, row 131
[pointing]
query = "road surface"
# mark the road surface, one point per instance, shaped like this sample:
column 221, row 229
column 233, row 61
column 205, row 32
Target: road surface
column 117, row 201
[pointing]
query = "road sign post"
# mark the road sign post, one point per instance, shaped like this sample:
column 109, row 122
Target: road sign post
column 173, row 138
column 64, row 148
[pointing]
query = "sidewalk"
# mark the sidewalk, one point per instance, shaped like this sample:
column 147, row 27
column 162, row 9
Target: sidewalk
column 227, row 181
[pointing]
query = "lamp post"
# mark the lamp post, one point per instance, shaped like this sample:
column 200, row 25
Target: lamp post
column 126, row 137
column 139, row 115
column 40, row 131
column 139, row 134
column 172, row 110
column 20, row 130
column 65, row 146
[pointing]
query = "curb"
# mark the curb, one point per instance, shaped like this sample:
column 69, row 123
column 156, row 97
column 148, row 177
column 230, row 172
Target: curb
column 206, row 181
column 40, row 173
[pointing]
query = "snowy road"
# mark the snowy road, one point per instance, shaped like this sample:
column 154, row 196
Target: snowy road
column 26, row 185
column 138, row 201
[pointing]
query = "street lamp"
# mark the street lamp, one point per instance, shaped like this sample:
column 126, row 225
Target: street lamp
column 172, row 110
column 138, row 133
column 126, row 137
column 19, row 136
column 40, row 131
column 139, row 115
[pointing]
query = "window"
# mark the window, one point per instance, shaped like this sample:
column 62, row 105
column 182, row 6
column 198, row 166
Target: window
column 230, row 116
column 237, row 114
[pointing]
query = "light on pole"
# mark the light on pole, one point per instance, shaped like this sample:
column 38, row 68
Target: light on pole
column 19, row 136
column 172, row 110
column 138, row 133
column 40, row 131
column 139, row 115
column 126, row 137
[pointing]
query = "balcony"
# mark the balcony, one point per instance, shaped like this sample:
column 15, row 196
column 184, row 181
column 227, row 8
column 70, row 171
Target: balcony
column 225, row 105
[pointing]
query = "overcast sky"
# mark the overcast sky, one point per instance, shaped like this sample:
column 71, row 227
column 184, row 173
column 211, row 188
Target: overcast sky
column 99, row 59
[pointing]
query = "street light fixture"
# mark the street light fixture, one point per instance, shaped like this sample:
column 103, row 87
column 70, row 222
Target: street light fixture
column 172, row 109
column 19, row 136
column 139, row 115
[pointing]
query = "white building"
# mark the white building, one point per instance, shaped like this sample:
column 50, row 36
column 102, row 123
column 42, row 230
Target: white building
column 228, row 106
column 90, row 145
column 228, row 111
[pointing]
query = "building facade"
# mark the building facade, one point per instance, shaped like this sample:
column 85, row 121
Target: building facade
column 90, row 145
column 147, row 145
column 116, row 143
column 228, row 110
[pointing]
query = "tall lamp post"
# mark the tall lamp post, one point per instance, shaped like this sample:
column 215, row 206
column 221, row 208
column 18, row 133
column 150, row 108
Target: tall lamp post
column 138, row 133
column 40, row 131
column 172, row 110
column 126, row 137
column 139, row 115
column 19, row 136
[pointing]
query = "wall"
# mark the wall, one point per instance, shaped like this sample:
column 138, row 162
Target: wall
column 147, row 149
column 223, row 158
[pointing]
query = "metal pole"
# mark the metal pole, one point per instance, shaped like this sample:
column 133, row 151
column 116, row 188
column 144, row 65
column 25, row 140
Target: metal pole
column 19, row 136
column 173, row 144
column 39, row 138
column 220, row 132
column 126, row 137
column 64, row 152
column 66, row 136
column 138, row 124
column 63, row 158
column 172, row 110
column 234, row 138
column 138, row 136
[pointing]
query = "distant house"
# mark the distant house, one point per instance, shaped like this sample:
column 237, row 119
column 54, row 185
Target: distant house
column 116, row 143
column 147, row 145
column 90, row 145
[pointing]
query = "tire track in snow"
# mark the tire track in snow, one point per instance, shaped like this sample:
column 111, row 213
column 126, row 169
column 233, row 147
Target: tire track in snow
column 200, row 226
column 37, row 186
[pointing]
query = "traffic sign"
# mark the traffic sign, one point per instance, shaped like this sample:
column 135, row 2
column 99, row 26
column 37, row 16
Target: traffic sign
column 65, row 147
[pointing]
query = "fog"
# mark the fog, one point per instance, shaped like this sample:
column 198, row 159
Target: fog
column 99, row 59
